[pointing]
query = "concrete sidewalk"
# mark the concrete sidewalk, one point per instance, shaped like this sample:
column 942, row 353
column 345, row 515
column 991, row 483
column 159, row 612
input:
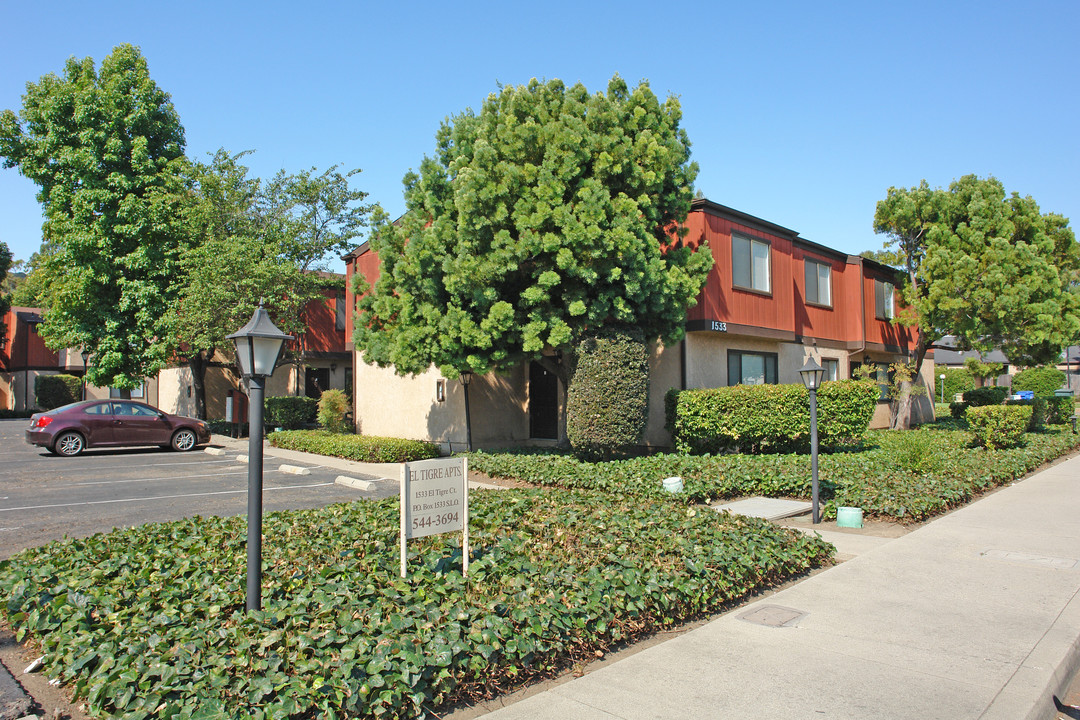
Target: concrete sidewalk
column 973, row 615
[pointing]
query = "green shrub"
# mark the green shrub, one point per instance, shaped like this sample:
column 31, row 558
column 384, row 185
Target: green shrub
column 290, row 412
column 1059, row 410
column 7, row 414
column 150, row 621
column 768, row 418
column 986, row 396
column 1043, row 381
column 907, row 475
column 362, row 448
column 1038, row 407
column 333, row 407
column 957, row 381
column 607, row 403
column 52, row 391
column 958, row 410
column 998, row 426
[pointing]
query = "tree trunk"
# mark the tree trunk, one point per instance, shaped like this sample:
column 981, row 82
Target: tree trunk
column 900, row 408
column 198, row 363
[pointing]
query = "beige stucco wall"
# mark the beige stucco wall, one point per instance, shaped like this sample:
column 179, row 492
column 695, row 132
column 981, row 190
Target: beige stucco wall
column 387, row 404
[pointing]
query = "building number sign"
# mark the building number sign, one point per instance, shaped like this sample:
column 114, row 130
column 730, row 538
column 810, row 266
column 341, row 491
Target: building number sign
column 717, row 326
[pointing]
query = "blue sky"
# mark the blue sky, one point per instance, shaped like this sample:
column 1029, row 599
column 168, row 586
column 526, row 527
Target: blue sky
column 800, row 113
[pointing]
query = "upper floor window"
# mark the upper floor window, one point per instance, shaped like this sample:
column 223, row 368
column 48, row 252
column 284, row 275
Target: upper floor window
column 750, row 264
column 883, row 300
column 135, row 393
column 339, row 311
column 818, row 282
column 751, row 368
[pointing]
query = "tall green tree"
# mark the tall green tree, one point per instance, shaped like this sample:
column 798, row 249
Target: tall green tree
column 985, row 266
column 106, row 149
column 5, row 298
column 543, row 215
column 253, row 242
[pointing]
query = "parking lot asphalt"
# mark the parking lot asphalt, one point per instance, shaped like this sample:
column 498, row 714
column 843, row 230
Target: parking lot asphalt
column 44, row 497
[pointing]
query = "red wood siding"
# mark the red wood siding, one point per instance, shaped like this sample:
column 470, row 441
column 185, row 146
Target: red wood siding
column 720, row 300
column 366, row 263
column 24, row 348
column 321, row 333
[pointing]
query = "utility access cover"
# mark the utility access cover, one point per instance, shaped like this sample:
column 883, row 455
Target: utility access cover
column 773, row 616
column 767, row 508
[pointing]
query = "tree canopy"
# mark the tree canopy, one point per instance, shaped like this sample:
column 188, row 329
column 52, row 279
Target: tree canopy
column 5, row 299
column 252, row 241
column 543, row 215
column 106, row 150
column 985, row 266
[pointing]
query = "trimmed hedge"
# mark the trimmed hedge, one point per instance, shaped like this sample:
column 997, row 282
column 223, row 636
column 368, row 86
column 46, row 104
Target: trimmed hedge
column 607, row 403
column 907, row 475
column 957, row 381
column 1038, row 407
column 7, row 414
column 1059, row 410
column 150, row 621
column 768, row 418
column 53, row 391
column 362, row 448
column 1043, row 381
column 978, row 397
column 999, row 426
column 290, row 412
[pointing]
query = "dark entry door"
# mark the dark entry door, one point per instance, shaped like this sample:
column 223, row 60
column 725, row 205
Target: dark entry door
column 317, row 380
column 543, row 403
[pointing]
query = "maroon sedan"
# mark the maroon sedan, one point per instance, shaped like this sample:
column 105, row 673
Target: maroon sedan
column 70, row 429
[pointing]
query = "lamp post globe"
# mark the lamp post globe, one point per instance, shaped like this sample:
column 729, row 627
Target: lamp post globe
column 259, row 346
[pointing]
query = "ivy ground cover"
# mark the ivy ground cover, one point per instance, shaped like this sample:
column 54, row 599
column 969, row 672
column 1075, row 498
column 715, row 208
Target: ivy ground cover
column 907, row 475
column 150, row 621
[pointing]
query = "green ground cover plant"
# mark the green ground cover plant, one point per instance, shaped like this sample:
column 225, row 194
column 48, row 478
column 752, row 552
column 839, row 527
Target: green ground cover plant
column 149, row 621
column 908, row 475
column 363, row 448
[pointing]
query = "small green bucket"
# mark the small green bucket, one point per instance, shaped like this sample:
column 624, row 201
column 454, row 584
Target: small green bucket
column 849, row 517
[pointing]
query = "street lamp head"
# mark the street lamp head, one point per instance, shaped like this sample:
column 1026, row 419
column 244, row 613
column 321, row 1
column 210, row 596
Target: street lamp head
column 811, row 374
column 259, row 345
column 466, row 377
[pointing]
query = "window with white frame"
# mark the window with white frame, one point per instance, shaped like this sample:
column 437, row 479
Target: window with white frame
column 750, row 264
column 883, row 300
column 818, row 282
column 831, row 366
column 135, row 392
column 751, row 368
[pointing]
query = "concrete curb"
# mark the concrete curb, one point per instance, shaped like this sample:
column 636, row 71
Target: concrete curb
column 355, row 483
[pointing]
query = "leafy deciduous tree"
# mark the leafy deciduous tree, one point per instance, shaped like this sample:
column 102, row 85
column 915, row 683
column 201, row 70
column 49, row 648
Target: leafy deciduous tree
column 983, row 266
column 544, row 215
column 106, row 149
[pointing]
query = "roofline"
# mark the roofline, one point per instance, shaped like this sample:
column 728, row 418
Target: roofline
column 745, row 218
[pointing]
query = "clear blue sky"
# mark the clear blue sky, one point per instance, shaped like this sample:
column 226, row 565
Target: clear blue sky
column 800, row 113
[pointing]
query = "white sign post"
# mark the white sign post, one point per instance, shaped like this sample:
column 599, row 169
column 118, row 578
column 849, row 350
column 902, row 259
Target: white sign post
column 435, row 499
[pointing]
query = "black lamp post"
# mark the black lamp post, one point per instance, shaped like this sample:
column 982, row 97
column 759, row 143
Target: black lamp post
column 85, row 366
column 259, row 345
column 811, row 376
column 466, row 378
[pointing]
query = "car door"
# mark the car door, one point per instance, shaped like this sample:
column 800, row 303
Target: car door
column 138, row 424
column 97, row 422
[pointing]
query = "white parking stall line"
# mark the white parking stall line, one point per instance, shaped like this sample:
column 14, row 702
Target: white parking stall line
column 160, row 497
column 137, row 480
column 154, row 465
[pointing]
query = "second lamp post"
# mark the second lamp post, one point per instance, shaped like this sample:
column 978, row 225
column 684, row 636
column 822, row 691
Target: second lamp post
column 811, row 376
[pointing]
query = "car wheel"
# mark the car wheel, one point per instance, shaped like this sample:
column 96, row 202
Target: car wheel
column 69, row 444
column 183, row 439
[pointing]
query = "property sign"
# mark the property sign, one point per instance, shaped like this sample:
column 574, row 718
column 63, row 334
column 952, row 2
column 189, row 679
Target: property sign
column 435, row 499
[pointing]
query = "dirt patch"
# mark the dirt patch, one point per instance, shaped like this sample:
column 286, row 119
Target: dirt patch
column 51, row 702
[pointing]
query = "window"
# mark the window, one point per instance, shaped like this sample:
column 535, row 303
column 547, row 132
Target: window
column 883, row 300
column 135, row 393
column 749, row 368
column 818, row 282
column 750, row 264
column 831, row 367
column 339, row 311
column 99, row 409
column 881, row 376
